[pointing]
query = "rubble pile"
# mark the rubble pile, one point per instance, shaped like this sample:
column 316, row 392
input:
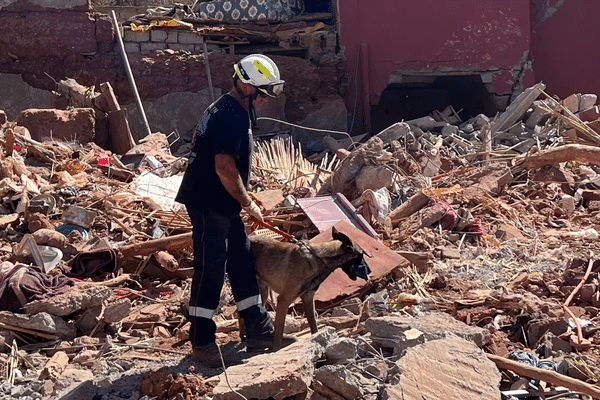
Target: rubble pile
column 481, row 237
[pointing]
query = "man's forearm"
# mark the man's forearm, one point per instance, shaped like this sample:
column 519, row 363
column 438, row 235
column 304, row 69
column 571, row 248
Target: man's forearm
column 231, row 179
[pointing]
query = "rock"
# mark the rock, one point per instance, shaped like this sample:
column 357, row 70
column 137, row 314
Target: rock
column 374, row 367
column 539, row 115
column 425, row 123
column 283, row 374
column 508, row 232
column 87, row 320
column 77, row 123
column 37, row 221
column 374, row 178
column 341, row 312
column 587, row 101
column 42, row 322
column 341, row 380
column 431, row 215
column 451, row 368
column 449, row 252
column 536, row 329
column 50, row 237
column 392, row 331
column 2, row 117
column 116, row 310
column 341, row 350
column 567, row 204
column 394, row 132
column 354, row 305
column 79, row 298
column 587, row 291
column 486, row 181
column 551, row 346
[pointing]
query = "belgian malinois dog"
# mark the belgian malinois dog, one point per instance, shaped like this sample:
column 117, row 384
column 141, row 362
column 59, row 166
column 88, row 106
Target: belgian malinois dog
column 295, row 270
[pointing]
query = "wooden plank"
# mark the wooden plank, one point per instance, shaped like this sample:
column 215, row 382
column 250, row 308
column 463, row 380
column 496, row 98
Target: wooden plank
column 409, row 207
column 107, row 101
column 517, row 108
column 545, row 375
column 382, row 262
column 120, row 135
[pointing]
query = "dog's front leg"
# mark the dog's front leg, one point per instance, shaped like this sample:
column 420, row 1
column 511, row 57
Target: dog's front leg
column 308, row 301
column 283, row 304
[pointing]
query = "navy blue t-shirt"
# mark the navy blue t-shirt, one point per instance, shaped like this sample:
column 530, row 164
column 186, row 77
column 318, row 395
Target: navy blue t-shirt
column 223, row 129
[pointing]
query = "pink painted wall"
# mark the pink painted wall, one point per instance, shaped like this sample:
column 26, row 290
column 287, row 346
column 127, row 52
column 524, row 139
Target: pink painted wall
column 430, row 36
column 564, row 45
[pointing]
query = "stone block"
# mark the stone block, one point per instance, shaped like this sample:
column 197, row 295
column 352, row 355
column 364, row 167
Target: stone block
column 140, row 37
column 68, row 303
column 340, row 380
column 389, row 330
column 451, row 368
column 279, row 375
column 42, row 322
column 189, row 38
column 151, row 47
column 171, row 36
column 342, row 351
column 158, row 36
column 132, row 47
column 77, row 123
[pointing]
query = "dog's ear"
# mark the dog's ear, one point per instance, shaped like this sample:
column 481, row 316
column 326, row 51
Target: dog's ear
column 337, row 235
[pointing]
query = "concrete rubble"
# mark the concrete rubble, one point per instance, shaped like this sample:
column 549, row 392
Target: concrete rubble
column 481, row 233
column 110, row 320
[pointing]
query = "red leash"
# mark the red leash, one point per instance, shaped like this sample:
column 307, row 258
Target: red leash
column 263, row 224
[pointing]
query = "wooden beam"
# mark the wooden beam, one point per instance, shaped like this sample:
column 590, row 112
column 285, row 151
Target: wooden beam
column 176, row 242
column 545, row 375
column 568, row 152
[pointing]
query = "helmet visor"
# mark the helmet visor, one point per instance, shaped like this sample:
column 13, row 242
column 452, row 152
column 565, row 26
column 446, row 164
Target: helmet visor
column 272, row 89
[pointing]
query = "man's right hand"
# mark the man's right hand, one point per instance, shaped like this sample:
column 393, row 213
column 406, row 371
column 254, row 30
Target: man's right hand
column 254, row 211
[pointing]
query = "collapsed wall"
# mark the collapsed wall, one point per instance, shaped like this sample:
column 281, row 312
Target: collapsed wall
column 46, row 41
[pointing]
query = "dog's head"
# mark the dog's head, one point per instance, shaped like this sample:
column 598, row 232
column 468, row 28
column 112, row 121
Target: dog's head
column 356, row 266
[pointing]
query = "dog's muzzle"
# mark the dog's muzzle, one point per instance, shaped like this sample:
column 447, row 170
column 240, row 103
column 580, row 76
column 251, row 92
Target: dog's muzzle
column 362, row 270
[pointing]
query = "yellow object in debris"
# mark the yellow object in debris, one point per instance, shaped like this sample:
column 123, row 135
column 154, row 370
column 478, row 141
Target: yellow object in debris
column 173, row 23
column 443, row 191
column 141, row 28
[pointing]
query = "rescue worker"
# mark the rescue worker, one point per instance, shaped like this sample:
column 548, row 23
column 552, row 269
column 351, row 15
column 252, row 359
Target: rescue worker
column 214, row 192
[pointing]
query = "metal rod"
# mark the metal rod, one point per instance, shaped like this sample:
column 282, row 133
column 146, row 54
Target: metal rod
column 130, row 78
column 207, row 65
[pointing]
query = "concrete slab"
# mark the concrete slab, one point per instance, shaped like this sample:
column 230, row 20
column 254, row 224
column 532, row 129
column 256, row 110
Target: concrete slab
column 279, row 375
column 451, row 368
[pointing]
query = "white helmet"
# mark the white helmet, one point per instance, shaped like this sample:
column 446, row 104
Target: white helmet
column 261, row 72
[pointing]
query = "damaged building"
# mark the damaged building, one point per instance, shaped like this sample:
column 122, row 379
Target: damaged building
column 453, row 145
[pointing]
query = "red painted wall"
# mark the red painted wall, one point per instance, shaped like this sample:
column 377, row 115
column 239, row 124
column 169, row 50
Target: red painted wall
column 430, row 36
column 564, row 45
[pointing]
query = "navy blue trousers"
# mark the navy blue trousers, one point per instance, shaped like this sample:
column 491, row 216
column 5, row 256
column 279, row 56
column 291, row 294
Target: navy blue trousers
column 221, row 244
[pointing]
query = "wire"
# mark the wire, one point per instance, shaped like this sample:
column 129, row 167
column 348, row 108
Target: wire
column 306, row 127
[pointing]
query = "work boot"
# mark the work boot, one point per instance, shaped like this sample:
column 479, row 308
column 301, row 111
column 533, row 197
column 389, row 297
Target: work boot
column 265, row 341
column 208, row 355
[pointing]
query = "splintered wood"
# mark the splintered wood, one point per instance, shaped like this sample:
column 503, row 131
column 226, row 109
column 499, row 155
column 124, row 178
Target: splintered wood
column 279, row 163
